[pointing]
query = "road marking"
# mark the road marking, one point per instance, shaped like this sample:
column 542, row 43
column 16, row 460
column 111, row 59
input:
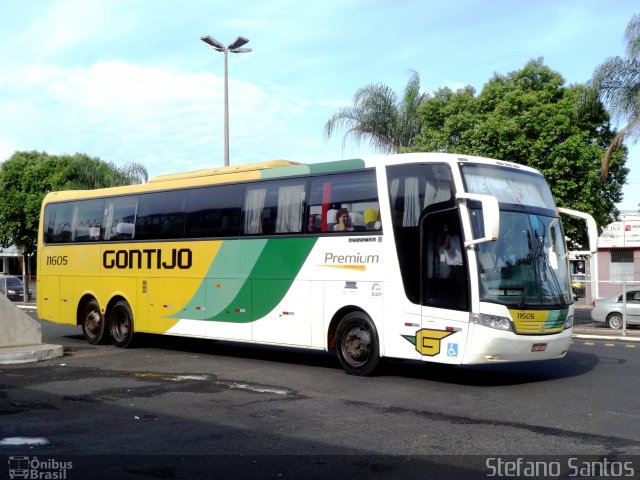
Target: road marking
column 24, row 441
column 609, row 344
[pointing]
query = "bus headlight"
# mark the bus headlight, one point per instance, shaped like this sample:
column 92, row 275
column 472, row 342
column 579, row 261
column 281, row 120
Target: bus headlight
column 568, row 322
column 494, row 321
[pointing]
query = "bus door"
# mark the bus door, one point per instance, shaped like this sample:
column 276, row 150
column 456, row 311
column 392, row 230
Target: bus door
column 444, row 289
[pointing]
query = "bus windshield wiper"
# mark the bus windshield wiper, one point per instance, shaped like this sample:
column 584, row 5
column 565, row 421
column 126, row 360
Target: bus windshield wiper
column 542, row 268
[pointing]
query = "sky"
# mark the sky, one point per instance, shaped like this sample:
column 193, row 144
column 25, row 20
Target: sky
column 130, row 81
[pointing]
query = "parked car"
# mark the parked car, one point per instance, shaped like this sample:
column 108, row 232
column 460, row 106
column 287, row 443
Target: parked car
column 12, row 287
column 609, row 309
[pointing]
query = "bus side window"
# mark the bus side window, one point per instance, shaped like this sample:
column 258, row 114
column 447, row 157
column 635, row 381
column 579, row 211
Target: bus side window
column 57, row 222
column 353, row 192
column 160, row 215
column 412, row 188
column 88, row 220
column 274, row 207
column 253, row 205
column 444, row 270
column 214, row 211
column 119, row 218
column 290, row 208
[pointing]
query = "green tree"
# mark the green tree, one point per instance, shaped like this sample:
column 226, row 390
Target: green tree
column 27, row 177
column 378, row 115
column 528, row 117
column 616, row 83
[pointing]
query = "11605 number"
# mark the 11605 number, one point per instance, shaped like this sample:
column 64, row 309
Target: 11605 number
column 57, row 260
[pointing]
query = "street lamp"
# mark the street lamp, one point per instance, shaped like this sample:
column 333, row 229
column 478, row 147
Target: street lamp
column 234, row 48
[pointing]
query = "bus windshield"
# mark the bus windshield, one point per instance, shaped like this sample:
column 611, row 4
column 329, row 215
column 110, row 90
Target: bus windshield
column 517, row 188
column 528, row 264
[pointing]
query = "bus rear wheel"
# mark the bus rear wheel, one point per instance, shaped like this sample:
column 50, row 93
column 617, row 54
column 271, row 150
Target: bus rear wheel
column 357, row 344
column 121, row 324
column 93, row 323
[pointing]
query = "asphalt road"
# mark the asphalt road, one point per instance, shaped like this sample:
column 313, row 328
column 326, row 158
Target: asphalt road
column 182, row 408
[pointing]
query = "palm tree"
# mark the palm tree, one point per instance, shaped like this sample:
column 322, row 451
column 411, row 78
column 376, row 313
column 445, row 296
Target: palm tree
column 616, row 83
column 377, row 114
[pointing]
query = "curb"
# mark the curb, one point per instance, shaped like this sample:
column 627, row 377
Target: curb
column 606, row 337
column 29, row 353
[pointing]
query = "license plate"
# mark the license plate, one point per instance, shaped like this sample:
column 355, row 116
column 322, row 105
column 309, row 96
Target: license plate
column 538, row 347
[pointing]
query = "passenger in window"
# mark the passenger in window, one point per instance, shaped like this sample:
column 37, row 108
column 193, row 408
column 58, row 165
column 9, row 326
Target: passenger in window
column 454, row 271
column 343, row 222
column 452, row 250
column 312, row 224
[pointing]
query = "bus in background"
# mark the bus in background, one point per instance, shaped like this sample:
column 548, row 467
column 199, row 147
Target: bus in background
column 422, row 256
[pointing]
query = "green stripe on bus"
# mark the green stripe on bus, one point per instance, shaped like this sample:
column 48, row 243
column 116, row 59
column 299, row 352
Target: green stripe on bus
column 253, row 277
column 230, row 268
column 285, row 171
column 337, row 166
column 278, row 266
column 322, row 167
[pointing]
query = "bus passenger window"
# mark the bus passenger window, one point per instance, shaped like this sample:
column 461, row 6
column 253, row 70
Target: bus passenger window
column 161, row 215
column 290, row 207
column 214, row 211
column 57, row 220
column 88, row 220
column 352, row 192
column 119, row 218
column 253, row 205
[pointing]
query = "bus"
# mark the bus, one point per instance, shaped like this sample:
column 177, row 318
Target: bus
column 421, row 256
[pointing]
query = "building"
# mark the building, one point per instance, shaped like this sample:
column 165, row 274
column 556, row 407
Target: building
column 11, row 262
column 618, row 258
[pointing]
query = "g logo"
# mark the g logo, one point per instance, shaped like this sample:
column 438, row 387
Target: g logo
column 428, row 341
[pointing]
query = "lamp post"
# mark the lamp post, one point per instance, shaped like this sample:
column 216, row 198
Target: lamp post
column 234, row 48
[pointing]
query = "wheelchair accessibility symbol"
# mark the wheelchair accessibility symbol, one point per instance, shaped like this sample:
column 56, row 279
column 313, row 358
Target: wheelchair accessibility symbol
column 452, row 350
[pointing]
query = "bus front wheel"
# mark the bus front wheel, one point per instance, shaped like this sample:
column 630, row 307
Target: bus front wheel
column 357, row 344
column 121, row 324
column 92, row 322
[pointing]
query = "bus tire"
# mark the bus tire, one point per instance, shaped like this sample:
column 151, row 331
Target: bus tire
column 121, row 324
column 357, row 345
column 93, row 323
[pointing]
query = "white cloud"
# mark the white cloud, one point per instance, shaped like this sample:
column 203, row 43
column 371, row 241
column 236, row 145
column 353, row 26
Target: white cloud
column 7, row 147
column 66, row 24
column 166, row 119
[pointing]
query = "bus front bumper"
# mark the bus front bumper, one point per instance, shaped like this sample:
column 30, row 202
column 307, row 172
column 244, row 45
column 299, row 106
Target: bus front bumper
column 488, row 345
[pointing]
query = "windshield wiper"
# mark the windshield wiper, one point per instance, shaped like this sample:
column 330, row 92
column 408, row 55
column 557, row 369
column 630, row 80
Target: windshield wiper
column 542, row 268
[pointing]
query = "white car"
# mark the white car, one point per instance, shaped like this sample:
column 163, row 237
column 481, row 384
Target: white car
column 609, row 309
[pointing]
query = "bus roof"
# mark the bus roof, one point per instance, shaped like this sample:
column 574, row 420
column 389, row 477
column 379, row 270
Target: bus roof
column 210, row 176
column 207, row 172
column 274, row 169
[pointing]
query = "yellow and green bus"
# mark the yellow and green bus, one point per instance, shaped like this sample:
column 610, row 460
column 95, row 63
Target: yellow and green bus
column 423, row 256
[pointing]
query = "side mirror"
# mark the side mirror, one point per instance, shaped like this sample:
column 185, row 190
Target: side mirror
column 592, row 229
column 490, row 216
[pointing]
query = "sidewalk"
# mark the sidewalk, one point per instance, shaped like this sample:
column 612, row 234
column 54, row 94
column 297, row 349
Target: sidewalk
column 21, row 336
column 583, row 327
